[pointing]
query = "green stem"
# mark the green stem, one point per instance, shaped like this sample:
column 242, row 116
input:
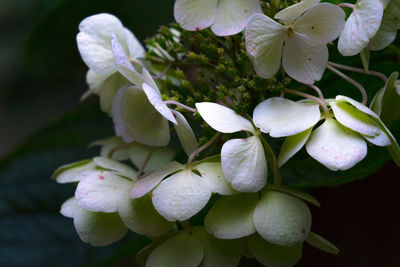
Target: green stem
column 272, row 158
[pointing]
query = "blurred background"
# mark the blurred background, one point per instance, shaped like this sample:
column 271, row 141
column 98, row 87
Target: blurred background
column 44, row 125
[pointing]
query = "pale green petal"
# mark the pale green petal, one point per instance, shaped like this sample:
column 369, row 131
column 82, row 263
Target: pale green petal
column 101, row 191
column 244, row 164
column 231, row 217
column 181, row 250
column 292, row 145
column 361, row 27
column 303, row 59
column 116, row 167
column 185, row 133
column 282, row 117
column 212, row 173
column 148, row 182
column 108, row 90
column 357, row 105
column 335, row 146
column 99, row 229
column 140, row 216
column 69, row 207
column 195, row 15
column 321, row 243
column 322, row 23
column 273, row 255
column 282, row 219
column 217, row 252
column 155, row 99
column 108, row 144
column 264, row 42
column 74, row 172
column 181, row 196
column 291, row 13
column 160, row 156
column 223, row 119
column 232, row 16
column 95, row 81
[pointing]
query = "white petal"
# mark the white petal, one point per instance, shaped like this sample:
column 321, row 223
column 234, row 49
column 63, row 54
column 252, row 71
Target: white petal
column 135, row 48
column 160, row 156
column 185, row 133
column 99, row 229
column 155, row 99
column 354, row 119
column 264, row 42
column 382, row 139
column 322, row 23
column 109, row 89
column 361, row 27
column 292, row 145
column 181, row 250
column 231, row 217
column 181, row 196
column 69, row 207
column 232, row 16
column 282, row 117
column 140, row 216
column 357, row 105
column 101, row 191
column 244, row 164
column 223, row 119
column 335, row 146
column 282, row 219
column 74, row 172
column 108, row 144
column 212, row 173
column 95, row 81
column 304, row 60
column 273, row 255
column 134, row 116
column 148, row 182
column 116, row 167
column 94, row 41
column 217, row 252
column 291, row 13
column 195, row 15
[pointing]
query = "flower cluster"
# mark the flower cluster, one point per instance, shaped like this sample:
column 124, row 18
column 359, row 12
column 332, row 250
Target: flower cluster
column 243, row 211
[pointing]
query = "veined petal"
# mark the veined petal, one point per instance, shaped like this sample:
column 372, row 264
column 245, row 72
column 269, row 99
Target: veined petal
column 231, row 217
column 361, row 27
column 101, row 191
column 160, row 156
column 282, row 117
column 335, row 146
column 354, row 119
column 134, row 116
column 108, row 144
column 148, row 182
column 212, row 173
column 195, row 15
column 185, row 133
column 155, row 99
column 292, row 145
column 109, row 89
column 116, row 167
column 232, row 16
column 181, row 196
column 304, row 60
column 264, row 42
column 74, row 172
column 99, row 229
column 322, row 24
column 291, row 13
column 244, row 164
column 94, row 41
column 223, row 119
column 217, row 252
column 69, row 207
column 181, row 250
column 282, row 219
column 273, row 255
column 140, row 216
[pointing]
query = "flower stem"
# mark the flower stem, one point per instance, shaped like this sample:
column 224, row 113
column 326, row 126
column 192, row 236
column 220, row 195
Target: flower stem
column 358, row 70
column 202, row 148
column 353, row 82
column 159, row 76
column 171, row 102
column 269, row 153
column 145, row 162
column 316, row 89
column 311, row 97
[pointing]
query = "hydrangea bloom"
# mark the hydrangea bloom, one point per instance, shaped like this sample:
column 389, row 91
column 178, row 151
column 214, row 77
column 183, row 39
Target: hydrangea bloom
column 226, row 17
column 307, row 28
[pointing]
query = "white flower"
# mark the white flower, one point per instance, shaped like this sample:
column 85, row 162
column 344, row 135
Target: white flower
column 243, row 160
column 361, row 27
column 309, row 26
column 338, row 143
column 226, row 17
column 388, row 30
column 183, row 193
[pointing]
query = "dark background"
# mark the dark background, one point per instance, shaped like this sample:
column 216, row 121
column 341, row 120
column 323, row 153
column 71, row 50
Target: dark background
column 43, row 125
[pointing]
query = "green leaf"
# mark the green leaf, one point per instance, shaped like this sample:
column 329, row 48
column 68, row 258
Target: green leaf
column 321, row 243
